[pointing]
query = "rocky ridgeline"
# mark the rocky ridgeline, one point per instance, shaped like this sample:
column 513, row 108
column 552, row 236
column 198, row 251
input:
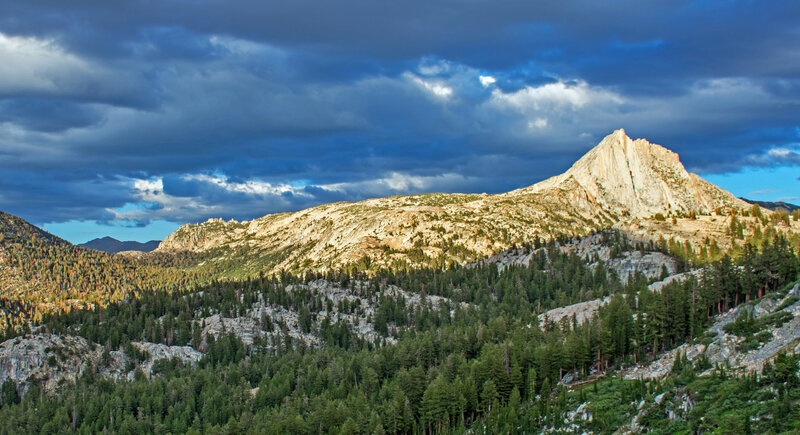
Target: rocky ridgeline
column 651, row 264
column 159, row 351
column 676, row 407
column 251, row 325
column 49, row 360
column 573, row 421
column 678, row 277
column 361, row 322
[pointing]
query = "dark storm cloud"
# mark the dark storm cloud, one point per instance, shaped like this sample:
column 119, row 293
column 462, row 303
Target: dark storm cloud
column 48, row 115
column 586, row 35
column 55, row 197
column 381, row 29
column 240, row 108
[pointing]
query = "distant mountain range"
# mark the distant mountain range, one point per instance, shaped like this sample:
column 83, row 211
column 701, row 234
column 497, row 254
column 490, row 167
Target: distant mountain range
column 112, row 245
column 774, row 205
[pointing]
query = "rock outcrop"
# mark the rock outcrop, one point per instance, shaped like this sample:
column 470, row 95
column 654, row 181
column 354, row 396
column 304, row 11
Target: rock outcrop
column 582, row 311
column 50, row 360
column 44, row 358
column 285, row 323
column 651, row 264
column 158, row 351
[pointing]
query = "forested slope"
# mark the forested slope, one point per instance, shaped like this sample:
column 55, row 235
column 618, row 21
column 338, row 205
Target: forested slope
column 41, row 273
column 468, row 354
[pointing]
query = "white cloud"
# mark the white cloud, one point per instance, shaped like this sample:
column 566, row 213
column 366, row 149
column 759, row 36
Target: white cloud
column 35, row 65
column 437, row 88
column 263, row 197
column 774, row 156
column 151, row 191
column 558, row 95
column 41, row 66
column 243, row 47
column 250, row 187
column 149, row 187
column 763, row 192
column 396, row 183
column 487, row 81
column 781, row 154
column 537, row 123
column 434, row 66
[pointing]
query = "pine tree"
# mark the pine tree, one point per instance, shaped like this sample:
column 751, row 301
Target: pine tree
column 8, row 393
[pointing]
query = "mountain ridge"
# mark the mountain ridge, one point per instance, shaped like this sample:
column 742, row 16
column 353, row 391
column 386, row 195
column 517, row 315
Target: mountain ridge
column 773, row 205
column 113, row 246
column 16, row 229
column 618, row 180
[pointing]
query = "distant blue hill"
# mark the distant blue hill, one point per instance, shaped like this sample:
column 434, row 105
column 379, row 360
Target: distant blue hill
column 774, row 205
column 112, row 245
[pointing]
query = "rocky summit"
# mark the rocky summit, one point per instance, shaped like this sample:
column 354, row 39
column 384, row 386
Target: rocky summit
column 617, row 181
column 635, row 178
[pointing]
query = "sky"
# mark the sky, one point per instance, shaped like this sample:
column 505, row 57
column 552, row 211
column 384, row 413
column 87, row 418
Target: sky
column 131, row 118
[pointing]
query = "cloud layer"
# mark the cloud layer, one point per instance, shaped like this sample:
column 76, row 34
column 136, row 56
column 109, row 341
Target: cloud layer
column 181, row 111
